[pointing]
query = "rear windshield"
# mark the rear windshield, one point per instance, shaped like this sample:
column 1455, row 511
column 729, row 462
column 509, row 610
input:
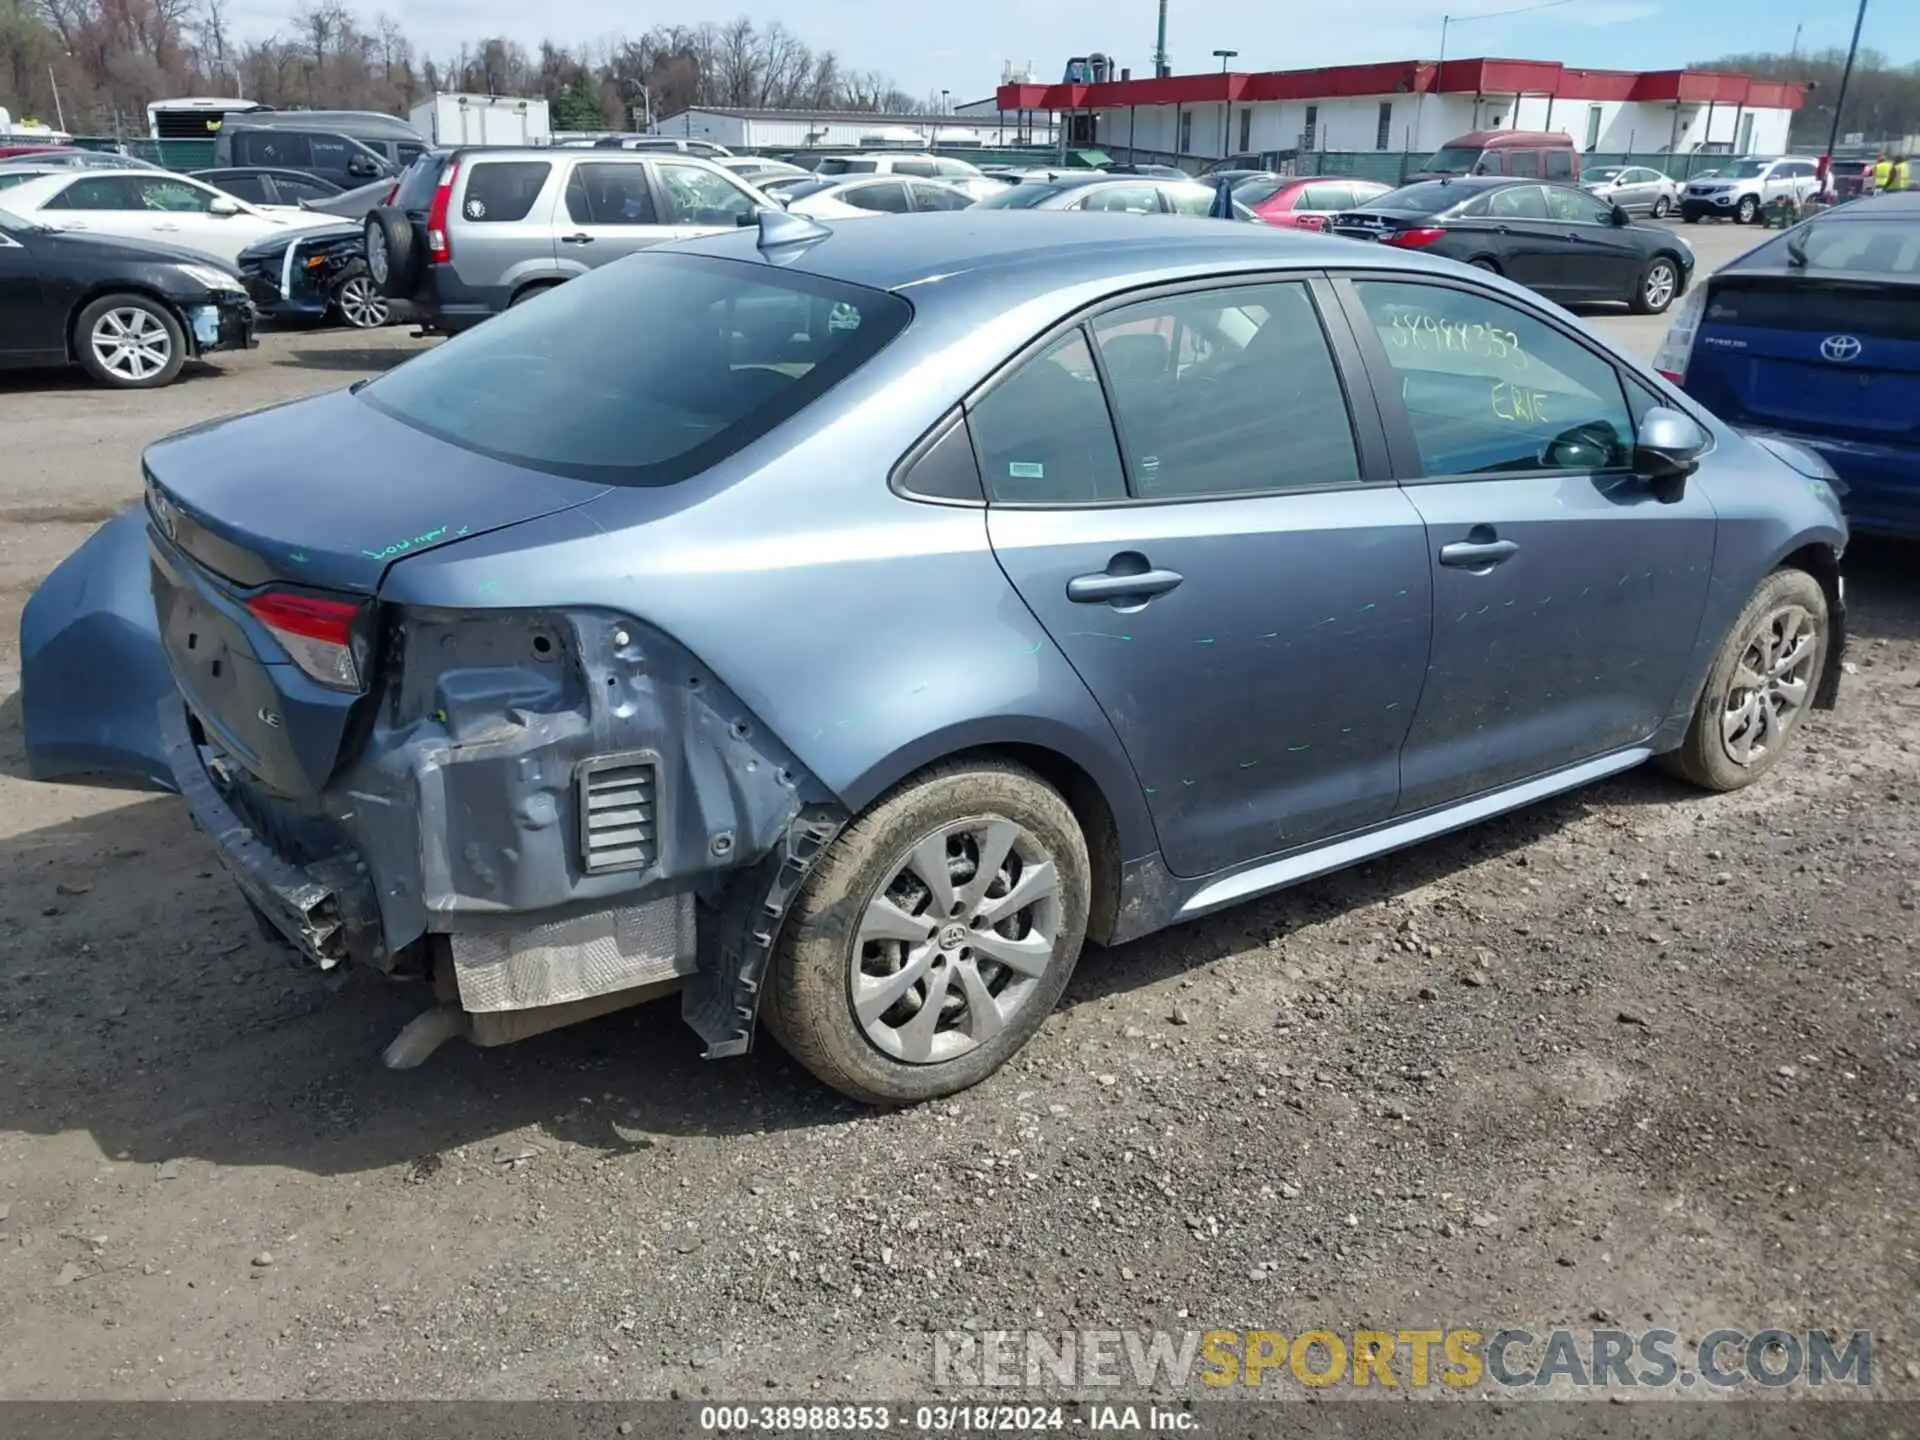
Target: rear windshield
column 1746, row 169
column 1849, row 247
column 842, row 165
column 572, row 385
column 1599, row 175
column 1257, row 192
column 419, row 182
column 1429, row 197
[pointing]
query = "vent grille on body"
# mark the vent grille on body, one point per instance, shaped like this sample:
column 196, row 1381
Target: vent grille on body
column 618, row 817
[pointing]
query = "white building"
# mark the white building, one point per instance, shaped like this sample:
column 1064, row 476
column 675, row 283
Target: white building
column 1416, row 106
column 825, row 129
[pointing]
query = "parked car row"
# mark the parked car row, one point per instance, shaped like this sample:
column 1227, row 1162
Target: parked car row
column 560, row 758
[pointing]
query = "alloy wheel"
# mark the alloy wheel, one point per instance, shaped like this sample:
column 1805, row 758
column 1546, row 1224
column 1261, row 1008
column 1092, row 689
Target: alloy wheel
column 954, row 944
column 362, row 305
column 1661, row 208
column 131, row 343
column 1659, row 286
column 1771, row 685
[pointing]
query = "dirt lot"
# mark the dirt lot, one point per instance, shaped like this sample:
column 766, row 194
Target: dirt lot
column 1633, row 1056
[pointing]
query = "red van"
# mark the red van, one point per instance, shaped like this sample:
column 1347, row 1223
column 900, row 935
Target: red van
column 1534, row 154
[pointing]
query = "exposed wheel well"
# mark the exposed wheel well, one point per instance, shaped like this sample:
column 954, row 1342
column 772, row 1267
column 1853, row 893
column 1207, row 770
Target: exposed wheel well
column 533, row 287
column 1083, row 796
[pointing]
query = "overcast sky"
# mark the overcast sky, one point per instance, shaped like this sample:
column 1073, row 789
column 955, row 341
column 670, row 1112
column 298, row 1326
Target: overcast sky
column 962, row 49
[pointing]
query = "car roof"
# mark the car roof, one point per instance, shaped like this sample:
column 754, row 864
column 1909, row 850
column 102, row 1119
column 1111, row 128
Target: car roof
column 1507, row 139
column 944, row 256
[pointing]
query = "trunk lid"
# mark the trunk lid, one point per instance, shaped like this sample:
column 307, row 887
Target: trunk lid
column 318, row 499
column 329, row 492
column 1378, row 224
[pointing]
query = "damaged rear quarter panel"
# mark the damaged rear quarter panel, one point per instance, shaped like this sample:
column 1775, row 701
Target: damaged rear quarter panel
column 870, row 634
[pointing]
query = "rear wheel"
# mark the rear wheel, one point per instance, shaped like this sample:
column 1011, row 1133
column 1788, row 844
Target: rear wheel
column 1485, row 264
column 1662, row 207
column 130, row 342
column 934, row 937
column 1659, row 283
column 1760, row 688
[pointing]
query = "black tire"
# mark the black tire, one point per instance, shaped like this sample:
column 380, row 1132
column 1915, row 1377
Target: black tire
column 1662, row 207
column 808, row 1002
column 1649, row 298
column 539, row 287
column 1483, row 263
column 95, row 327
column 1689, row 217
column 1705, row 757
column 393, row 257
column 1747, row 211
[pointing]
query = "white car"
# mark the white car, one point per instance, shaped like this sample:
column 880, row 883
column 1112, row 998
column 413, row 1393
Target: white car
column 155, row 206
column 854, row 197
column 1637, row 189
column 920, row 167
column 1742, row 189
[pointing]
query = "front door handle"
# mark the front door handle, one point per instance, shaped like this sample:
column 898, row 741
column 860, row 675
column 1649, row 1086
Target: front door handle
column 576, row 239
column 1477, row 555
column 1106, row 585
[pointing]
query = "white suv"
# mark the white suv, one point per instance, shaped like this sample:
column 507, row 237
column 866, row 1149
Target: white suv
column 925, row 167
column 1741, row 189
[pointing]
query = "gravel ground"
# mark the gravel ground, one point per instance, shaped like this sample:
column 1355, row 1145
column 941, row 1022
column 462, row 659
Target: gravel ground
column 1634, row 1054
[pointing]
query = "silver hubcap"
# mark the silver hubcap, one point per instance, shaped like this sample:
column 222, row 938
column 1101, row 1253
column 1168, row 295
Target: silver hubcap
column 1660, row 286
column 1770, row 685
column 1660, row 207
column 956, row 941
column 131, row 343
column 363, row 306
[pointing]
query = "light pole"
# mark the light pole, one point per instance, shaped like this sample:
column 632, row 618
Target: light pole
column 1833, row 132
column 1223, row 56
column 1439, row 68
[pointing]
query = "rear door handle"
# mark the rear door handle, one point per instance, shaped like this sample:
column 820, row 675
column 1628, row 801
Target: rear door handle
column 1477, row 555
column 1093, row 589
column 576, row 239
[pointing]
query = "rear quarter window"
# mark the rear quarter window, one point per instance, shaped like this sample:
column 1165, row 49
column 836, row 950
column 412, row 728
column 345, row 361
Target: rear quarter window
column 500, row 192
column 572, row 386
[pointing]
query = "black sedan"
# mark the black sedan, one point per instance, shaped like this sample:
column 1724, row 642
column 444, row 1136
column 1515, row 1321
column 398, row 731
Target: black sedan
column 1551, row 238
column 130, row 313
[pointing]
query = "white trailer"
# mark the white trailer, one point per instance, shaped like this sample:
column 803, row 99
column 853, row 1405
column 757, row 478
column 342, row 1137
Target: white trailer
column 448, row 120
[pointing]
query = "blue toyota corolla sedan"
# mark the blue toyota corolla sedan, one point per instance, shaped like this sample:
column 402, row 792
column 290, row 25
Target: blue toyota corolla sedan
column 1815, row 337
column 842, row 627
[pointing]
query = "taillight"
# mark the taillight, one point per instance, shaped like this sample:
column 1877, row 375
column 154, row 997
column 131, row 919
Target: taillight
column 319, row 635
column 1677, row 349
column 392, row 190
column 439, row 241
column 1416, row 239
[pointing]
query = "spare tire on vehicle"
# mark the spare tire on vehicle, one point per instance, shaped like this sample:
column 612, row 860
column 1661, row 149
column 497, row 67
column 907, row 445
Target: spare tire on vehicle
column 393, row 259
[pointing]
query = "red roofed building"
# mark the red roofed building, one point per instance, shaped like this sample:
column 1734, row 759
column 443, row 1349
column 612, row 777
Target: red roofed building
column 1418, row 105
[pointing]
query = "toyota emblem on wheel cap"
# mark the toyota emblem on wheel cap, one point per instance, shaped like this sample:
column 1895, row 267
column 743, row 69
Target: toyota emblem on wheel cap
column 1840, row 348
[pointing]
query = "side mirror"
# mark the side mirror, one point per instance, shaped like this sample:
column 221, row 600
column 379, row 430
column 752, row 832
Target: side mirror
column 223, row 206
column 1667, row 450
column 1620, row 216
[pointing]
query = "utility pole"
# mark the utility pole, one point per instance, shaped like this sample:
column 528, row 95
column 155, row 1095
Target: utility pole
column 1833, row 132
column 1160, row 65
column 1223, row 56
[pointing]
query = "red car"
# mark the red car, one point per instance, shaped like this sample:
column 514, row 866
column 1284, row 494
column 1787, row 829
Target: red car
column 9, row 152
column 1305, row 202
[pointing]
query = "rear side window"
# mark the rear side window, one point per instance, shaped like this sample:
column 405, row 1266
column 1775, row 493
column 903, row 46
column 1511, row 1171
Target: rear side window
column 924, row 169
column 287, row 149
column 251, row 187
column 604, row 193
column 887, row 196
column 1488, row 389
column 1518, row 202
column 333, row 152
column 1043, row 435
column 939, row 197
column 500, row 192
column 1524, row 162
column 1325, row 197
column 847, row 165
column 1227, row 392
column 99, row 192
column 1559, row 165
column 573, row 386
column 1129, row 199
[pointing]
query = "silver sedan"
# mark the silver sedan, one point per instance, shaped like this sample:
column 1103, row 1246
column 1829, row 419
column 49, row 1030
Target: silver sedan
column 1637, row 189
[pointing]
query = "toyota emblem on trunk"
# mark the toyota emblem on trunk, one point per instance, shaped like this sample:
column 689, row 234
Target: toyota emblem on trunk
column 1840, row 348
column 163, row 514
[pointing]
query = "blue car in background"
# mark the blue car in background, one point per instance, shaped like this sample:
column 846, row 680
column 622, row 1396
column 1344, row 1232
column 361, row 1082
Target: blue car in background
column 1814, row 337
